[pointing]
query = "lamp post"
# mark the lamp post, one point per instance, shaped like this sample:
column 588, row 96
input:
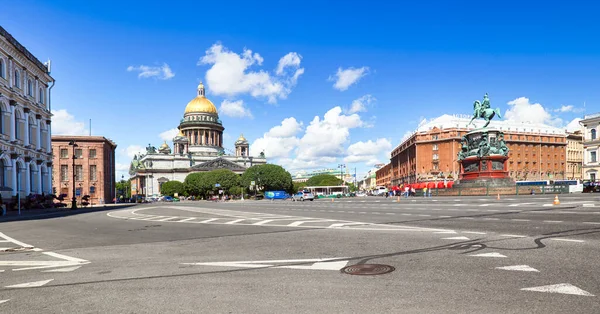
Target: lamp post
column 342, row 166
column 74, row 200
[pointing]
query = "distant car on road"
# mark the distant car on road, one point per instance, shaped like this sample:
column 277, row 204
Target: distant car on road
column 361, row 194
column 302, row 196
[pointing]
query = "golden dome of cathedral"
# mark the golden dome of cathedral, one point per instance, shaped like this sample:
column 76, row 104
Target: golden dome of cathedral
column 200, row 104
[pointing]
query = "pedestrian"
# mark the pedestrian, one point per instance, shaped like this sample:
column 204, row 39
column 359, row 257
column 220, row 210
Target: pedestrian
column 3, row 207
column 406, row 191
column 425, row 192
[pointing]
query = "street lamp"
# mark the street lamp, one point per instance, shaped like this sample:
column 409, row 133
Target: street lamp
column 74, row 200
column 342, row 166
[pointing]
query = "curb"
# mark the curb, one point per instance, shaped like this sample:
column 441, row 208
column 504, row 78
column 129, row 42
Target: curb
column 59, row 212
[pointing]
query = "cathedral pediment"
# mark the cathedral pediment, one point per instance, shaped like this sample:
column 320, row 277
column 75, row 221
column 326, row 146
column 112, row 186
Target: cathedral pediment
column 218, row 163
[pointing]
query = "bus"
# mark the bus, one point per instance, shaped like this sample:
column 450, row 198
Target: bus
column 541, row 182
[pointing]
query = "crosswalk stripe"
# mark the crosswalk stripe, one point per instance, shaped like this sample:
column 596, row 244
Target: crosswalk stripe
column 262, row 222
column 209, row 220
column 234, row 221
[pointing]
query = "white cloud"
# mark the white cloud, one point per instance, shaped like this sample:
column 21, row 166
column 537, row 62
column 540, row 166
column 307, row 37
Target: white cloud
column 279, row 141
column 326, row 137
column 344, row 78
column 168, row 135
column 120, row 167
column 163, row 72
column 564, row 108
column 133, row 150
column 234, row 109
column 574, row 125
column 229, row 74
column 360, row 104
column 522, row 110
column 63, row 123
column 367, row 151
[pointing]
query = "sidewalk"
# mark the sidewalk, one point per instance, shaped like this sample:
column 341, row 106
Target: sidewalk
column 13, row 215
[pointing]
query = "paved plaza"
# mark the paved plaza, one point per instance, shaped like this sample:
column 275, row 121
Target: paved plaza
column 516, row 254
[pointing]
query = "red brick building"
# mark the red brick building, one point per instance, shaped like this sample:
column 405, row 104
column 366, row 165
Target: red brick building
column 383, row 175
column 537, row 151
column 94, row 167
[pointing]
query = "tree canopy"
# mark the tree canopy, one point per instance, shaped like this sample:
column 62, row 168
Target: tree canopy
column 201, row 183
column 268, row 177
column 172, row 187
column 324, row 180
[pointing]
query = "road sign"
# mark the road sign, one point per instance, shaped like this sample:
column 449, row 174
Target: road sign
column 217, row 185
column 78, row 192
column 252, row 183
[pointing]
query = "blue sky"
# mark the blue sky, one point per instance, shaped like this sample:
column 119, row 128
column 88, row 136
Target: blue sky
column 403, row 62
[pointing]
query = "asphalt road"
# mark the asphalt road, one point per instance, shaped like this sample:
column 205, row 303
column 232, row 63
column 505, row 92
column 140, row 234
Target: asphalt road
column 451, row 255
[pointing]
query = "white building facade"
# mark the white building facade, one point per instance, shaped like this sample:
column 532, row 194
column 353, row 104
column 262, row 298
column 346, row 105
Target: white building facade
column 198, row 147
column 591, row 147
column 25, row 117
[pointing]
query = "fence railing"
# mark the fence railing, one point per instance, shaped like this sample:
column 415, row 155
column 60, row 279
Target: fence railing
column 487, row 190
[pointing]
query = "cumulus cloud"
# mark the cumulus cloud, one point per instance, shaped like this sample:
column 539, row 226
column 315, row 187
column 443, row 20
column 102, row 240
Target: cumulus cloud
column 564, row 108
column 344, row 78
column 168, row 135
column 326, row 137
column 162, row 72
column 521, row 110
column 235, row 109
column 280, row 140
column 64, row 123
column 367, row 151
column 361, row 104
column 229, row 74
column 574, row 125
column 133, row 150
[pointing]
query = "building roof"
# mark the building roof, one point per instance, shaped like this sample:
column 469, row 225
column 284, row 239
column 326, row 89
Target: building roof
column 23, row 50
column 200, row 104
column 81, row 138
column 447, row 121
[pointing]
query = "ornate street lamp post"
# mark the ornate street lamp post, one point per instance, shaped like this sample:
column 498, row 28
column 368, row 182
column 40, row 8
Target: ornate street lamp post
column 74, row 200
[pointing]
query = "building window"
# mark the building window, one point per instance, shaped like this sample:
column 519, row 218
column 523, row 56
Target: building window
column 93, row 172
column 78, row 153
column 17, row 79
column 41, row 96
column 435, row 147
column 593, row 134
column 29, row 88
column 92, row 153
column 435, row 137
column 2, row 69
column 79, row 172
column 64, row 173
column 436, row 157
column 593, row 157
column 64, row 153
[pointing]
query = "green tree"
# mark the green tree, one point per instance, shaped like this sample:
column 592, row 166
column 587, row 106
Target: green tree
column 268, row 178
column 172, row 187
column 297, row 186
column 324, row 180
column 226, row 178
column 197, row 183
column 123, row 188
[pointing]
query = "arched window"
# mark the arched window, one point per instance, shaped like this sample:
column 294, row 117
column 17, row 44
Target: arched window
column 2, row 172
column 2, row 69
column 593, row 134
column 17, row 79
column 29, row 88
column 41, row 96
column 16, row 126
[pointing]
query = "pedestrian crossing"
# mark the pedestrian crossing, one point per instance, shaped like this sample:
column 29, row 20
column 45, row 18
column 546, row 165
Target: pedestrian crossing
column 240, row 218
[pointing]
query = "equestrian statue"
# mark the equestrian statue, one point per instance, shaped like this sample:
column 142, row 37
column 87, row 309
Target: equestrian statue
column 483, row 110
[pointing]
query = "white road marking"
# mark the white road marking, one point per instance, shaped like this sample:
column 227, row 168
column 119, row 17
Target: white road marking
column 166, row 219
column 208, row 220
column 30, row 284
column 553, row 221
column 490, row 218
column 513, row 235
column 564, row 288
column 547, row 205
column 456, row 238
column 567, row 240
column 445, row 232
column 234, row 221
column 262, row 222
column 519, row 268
column 17, row 242
column 187, row 219
column 520, row 219
column 485, row 205
column 494, row 254
column 492, row 210
column 445, row 216
column 4, row 301
column 318, row 264
column 589, row 205
column 424, row 215
column 61, row 270
column 474, row 232
column 337, row 225
column 591, row 223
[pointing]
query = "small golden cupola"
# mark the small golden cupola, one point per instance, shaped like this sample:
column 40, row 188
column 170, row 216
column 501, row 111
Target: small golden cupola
column 242, row 148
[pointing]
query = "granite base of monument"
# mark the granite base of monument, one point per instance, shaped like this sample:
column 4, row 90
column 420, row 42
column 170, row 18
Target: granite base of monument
column 483, row 159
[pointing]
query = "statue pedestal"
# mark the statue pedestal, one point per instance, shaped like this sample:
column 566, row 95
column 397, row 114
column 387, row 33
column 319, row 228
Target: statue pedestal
column 483, row 160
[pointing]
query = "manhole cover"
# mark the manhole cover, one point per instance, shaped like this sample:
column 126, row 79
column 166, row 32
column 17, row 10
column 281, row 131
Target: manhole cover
column 367, row 269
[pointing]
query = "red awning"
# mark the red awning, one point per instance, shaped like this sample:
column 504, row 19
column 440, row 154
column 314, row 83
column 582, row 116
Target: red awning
column 449, row 184
column 431, row 185
column 440, row 185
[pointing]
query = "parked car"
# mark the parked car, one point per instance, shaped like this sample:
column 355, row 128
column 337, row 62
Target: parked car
column 302, row 196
